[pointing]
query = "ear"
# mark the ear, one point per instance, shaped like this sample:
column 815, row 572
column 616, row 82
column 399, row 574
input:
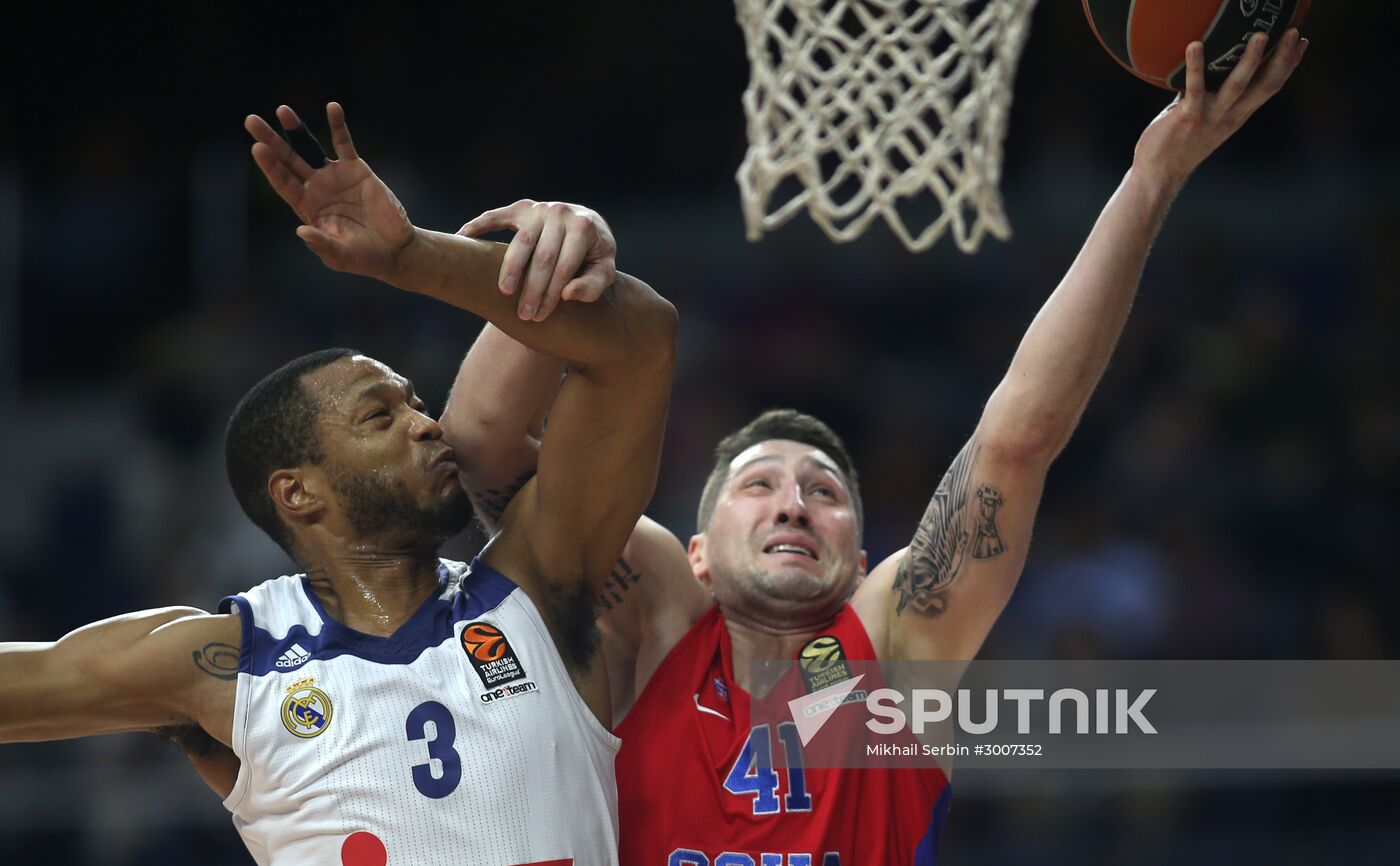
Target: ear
column 296, row 496
column 699, row 566
column 861, row 566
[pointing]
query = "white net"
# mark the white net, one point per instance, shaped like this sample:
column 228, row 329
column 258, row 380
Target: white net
column 864, row 108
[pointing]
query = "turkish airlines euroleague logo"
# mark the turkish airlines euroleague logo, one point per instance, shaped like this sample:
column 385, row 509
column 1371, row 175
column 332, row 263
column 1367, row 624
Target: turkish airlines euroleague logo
column 822, row 663
column 484, row 642
column 490, row 654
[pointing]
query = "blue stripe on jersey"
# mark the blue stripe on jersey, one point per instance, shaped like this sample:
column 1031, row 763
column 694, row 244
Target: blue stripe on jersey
column 482, row 590
column 926, row 854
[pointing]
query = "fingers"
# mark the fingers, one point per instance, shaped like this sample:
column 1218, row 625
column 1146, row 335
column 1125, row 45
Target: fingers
column 299, row 137
column 577, row 242
column 1193, row 103
column 559, row 252
column 589, row 285
column 287, row 117
column 281, row 151
column 340, row 133
column 541, row 269
column 527, row 221
column 518, row 254
column 330, row 251
column 305, row 145
column 1239, row 78
column 1275, row 74
column 498, row 219
column 280, row 176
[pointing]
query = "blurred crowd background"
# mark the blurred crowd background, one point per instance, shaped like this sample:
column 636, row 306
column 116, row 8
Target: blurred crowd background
column 1232, row 492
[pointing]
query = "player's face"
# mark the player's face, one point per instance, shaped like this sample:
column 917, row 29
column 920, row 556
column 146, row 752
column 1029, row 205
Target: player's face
column 783, row 539
column 391, row 475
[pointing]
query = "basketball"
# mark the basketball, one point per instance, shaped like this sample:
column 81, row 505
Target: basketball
column 1149, row 37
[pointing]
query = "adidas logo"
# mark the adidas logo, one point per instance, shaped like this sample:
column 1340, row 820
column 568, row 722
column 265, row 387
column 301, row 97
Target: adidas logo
column 294, row 657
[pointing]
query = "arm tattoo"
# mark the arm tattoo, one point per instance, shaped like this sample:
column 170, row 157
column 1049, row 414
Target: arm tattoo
column 987, row 542
column 218, row 660
column 492, row 503
column 623, row 578
column 948, row 532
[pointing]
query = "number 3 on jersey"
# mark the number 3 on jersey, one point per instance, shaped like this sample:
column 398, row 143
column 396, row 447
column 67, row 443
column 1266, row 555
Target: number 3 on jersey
column 439, row 749
column 753, row 773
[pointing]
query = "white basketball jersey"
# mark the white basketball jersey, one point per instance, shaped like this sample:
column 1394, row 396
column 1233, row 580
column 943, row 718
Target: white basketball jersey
column 459, row 740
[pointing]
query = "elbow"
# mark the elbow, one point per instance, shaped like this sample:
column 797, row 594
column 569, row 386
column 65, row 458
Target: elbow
column 1024, row 433
column 465, row 428
column 465, row 435
column 638, row 337
column 652, row 331
column 1023, row 447
column 662, row 325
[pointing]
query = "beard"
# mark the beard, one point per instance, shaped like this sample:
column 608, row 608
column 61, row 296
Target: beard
column 378, row 507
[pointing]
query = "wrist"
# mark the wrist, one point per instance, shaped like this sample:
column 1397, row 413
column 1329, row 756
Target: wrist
column 457, row 270
column 405, row 260
column 1156, row 184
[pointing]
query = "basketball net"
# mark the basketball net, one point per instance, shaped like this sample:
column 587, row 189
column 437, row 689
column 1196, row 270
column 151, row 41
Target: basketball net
column 867, row 103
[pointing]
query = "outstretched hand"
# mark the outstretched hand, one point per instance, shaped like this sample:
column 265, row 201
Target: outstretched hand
column 352, row 220
column 1197, row 122
column 560, row 251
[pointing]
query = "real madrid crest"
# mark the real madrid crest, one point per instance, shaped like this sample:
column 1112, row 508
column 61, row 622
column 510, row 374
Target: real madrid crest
column 307, row 710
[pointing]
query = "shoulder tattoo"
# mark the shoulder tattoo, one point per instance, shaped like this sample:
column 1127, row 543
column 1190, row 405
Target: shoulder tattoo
column 623, row 578
column 218, row 660
column 493, row 501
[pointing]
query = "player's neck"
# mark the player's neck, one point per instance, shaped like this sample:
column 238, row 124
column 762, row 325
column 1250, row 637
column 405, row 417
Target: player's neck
column 372, row 590
column 751, row 640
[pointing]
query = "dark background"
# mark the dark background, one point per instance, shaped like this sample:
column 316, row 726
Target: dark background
column 1231, row 493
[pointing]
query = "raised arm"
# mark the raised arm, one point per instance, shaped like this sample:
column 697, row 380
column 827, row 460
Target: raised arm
column 597, row 467
column 493, row 421
column 160, row 669
column 939, row 597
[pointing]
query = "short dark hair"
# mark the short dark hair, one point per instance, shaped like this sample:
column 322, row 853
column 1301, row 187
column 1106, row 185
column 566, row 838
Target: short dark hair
column 777, row 424
column 274, row 427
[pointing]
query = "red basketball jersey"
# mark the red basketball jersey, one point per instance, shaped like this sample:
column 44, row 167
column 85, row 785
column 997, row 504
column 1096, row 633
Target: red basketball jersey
column 699, row 786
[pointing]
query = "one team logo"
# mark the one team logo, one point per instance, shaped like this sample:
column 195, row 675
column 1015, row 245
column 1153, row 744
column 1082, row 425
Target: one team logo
column 307, row 710
column 509, row 691
column 494, row 661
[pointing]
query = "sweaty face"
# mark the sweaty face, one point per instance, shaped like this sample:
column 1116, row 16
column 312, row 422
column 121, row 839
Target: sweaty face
column 392, row 476
column 783, row 540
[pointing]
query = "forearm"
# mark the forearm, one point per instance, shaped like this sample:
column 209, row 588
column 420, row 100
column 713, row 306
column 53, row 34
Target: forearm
column 23, row 671
column 131, row 672
column 613, row 333
column 44, row 696
column 1068, row 345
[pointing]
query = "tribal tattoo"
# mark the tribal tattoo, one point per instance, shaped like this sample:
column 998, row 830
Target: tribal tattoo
column 949, row 531
column 492, row 503
column 623, row 578
column 218, row 660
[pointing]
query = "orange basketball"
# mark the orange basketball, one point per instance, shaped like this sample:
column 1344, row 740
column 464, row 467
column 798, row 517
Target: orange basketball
column 1149, row 37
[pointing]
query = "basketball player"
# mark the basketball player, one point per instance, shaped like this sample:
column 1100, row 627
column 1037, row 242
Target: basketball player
column 777, row 564
column 387, row 706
